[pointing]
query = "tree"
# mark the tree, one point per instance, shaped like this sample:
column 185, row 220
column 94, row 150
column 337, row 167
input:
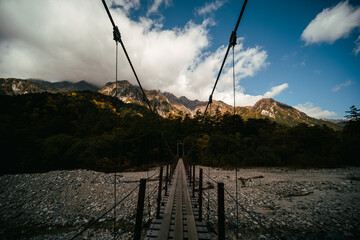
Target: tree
column 351, row 137
column 204, row 146
column 354, row 113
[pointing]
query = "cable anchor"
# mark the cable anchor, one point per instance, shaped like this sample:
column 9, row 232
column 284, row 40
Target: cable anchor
column 232, row 41
column 116, row 34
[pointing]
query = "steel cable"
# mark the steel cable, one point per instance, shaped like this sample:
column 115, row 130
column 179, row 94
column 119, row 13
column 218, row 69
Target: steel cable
column 250, row 214
column 231, row 43
column 210, row 178
column 107, row 211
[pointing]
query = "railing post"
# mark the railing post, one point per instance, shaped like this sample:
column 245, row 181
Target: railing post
column 193, row 181
column 200, row 193
column 140, row 209
column 221, row 213
column 159, row 193
column 166, row 179
column 190, row 174
column 172, row 170
column 171, row 173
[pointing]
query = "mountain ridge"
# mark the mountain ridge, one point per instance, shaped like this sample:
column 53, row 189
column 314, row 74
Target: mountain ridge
column 167, row 104
column 14, row 86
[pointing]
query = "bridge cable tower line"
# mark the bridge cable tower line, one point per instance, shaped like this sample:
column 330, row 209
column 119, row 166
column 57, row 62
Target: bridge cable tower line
column 232, row 42
column 117, row 38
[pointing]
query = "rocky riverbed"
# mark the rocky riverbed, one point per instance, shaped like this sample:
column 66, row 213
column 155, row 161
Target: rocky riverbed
column 273, row 203
column 292, row 204
column 58, row 204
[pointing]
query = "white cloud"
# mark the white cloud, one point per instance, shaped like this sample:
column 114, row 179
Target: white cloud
column 315, row 112
column 126, row 5
column 155, row 6
column 342, row 85
column 201, row 79
column 249, row 100
column 357, row 46
column 276, row 90
column 210, row 7
column 72, row 40
column 332, row 23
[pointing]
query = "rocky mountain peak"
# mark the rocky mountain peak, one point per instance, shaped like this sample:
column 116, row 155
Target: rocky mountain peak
column 264, row 102
column 125, row 91
column 270, row 108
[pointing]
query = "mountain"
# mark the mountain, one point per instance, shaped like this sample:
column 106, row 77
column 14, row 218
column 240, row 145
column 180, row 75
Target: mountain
column 128, row 93
column 66, row 86
column 125, row 91
column 184, row 101
column 167, row 104
column 248, row 112
column 285, row 114
column 281, row 112
column 13, row 86
column 341, row 122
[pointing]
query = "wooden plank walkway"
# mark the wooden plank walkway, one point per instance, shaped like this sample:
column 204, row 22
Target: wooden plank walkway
column 177, row 219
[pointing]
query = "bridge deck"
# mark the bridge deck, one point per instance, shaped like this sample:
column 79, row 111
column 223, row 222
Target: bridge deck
column 177, row 214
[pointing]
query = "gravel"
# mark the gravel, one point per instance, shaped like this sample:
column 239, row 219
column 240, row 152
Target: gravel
column 59, row 204
column 291, row 204
column 279, row 203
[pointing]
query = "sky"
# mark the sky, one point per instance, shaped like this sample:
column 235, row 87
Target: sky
column 303, row 53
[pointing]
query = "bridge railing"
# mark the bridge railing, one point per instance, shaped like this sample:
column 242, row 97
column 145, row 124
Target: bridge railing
column 142, row 204
column 105, row 218
column 217, row 208
column 149, row 203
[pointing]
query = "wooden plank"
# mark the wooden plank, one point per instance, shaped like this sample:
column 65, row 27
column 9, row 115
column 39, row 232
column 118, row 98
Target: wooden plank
column 192, row 233
column 152, row 233
column 165, row 223
column 157, row 221
column 178, row 228
column 202, row 224
column 155, row 226
column 204, row 236
column 202, row 229
column 178, row 211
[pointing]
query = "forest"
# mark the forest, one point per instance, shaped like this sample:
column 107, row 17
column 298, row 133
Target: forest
column 44, row 131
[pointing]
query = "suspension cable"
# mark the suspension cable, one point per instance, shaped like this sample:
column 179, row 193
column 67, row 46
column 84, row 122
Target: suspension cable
column 237, row 207
column 208, row 176
column 236, row 170
column 233, row 74
column 117, row 38
column 116, row 86
column 251, row 215
column 231, row 43
column 147, row 177
column 106, row 212
column 137, row 79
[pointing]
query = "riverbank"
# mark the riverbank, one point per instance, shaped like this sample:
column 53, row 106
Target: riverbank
column 296, row 204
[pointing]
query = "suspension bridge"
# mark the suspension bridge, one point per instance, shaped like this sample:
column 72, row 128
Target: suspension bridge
column 184, row 202
column 185, row 209
column 179, row 218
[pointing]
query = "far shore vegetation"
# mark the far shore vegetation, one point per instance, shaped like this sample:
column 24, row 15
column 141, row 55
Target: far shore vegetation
column 43, row 132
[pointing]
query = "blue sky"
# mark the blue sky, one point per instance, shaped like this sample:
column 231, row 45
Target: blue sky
column 303, row 53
